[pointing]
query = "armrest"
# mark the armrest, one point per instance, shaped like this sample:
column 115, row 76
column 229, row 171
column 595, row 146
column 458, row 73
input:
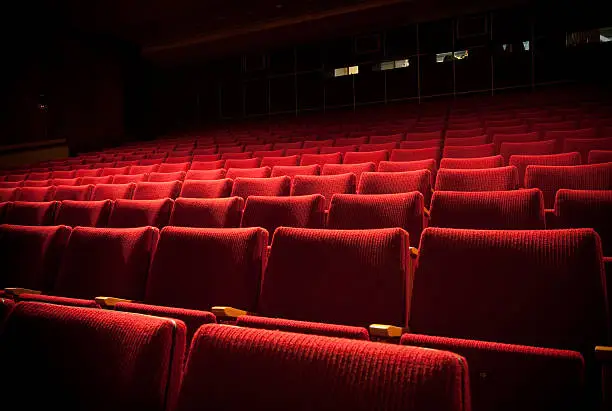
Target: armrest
column 227, row 312
column 427, row 213
column 16, row 292
column 110, row 302
column 385, row 331
column 603, row 353
column 414, row 252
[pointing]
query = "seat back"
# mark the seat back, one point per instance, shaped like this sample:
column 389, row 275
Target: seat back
column 366, row 157
column 140, row 213
column 35, row 194
column 116, row 360
column 26, row 213
column 485, row 179
column 273, row 186
column 397, row 182
column 207, row 212
column 113, row 191
column 84, row 213
column 257, row 172
column 75, row 193
column 327, row 186
column 206, row 188
column 522, row 161
column 478, row 162
column 340, row 269
column 292, row 171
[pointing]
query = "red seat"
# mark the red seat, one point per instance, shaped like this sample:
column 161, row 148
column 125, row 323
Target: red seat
column 317, row 144
column 347, row 141
column 242, row 163
column 464, row 133
column 378, row 147
column 207, row 165
column 173, row 167
column 9, row 194
column 268, row 153
column 113, row 191
column 366, row 157
column 499, row 139
column 166, row 177
column 485, row 179
column 96, row 172
column 36, row 183
column 284, row 145
column 478, row 162
column 357, row 169
column 63, row 174
column 39, row 176
column 144, row 169
column 96, row 180
column 206, row 188
column 392, row 138
column 30, row 213
column 140, row 213
column 585, row 145
column 476, row 140
column 301, row 151
column 259, row 172
column 600, row 156
column 280, row 161
column 236, row 156
column 483, row 150
column 522, row 161
column 217, row 174
column 327, row 186
column 66, row 182
column 320, row 159
column 303, row 327
column 426, row 135
column 111, row 171
column 155, row 191
column 130, row 178
column 415, row 155
column 420, row 144
column 207, row 212
column 273, row 186
column 205, row 158
column 84, row 213
column 35, row 194
column 292, row 171
column 397, row 182
column 528, row 148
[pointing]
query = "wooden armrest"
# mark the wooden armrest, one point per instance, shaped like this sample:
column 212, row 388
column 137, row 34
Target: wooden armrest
column 227, row 312
column 15, row 291
column 109, row 302
column 414, row 252
column 427, row 213
column 385, row 331
column 603, row 353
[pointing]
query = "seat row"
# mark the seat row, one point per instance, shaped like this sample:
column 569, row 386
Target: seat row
column 473, row 292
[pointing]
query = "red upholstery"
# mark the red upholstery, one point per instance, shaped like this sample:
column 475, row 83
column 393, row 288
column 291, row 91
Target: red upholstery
column 483, row 150
column 549, row 179
column 358, row 212
column 207, row 165
column 300, row 369
column 522, row 161
column 16, row 177
column 144, row 169
column 268, row 153
column 341, row 270
column 151, row 162
column 6, row 307
column 527, row 148
column 307, row 211
column 230, row 149
column 206, row 188
column 327, row 186
column 280, row 161
column 584, row 145
column 111, row 171
column 283, row 145
column 63, row 174
column 365, row 157
column 356, row 168
column 117, row 360
column 113, row 191
column 499, row 139
column 79, row 193
column 338, row 149
column 103, row 165
column 36, row 183
column 236, row 156
column 154, row 191
column 395, row 166
column 301, row 151
column 39, row 176
column 205, row 158
column 204, row 151
column 243, row 163
column 66, row 181
column 31, row 255
column 586, row 209
column 465, row 133
column 397, row 182
column 198, row 268
column 140, row 213
column 273, row 186
column 488, row 210
column 29, row 213
column 166, row 177
column 478, row 162
column 84, row 213
column 106, row 262
column 485, row 179
column 36, row 194
column 130, row 178
column 96, row 172
column 350, row 141
column 303, row 327
column 257, row 147
column 415, row 155
column 505, row 377
column 10, row 184
column 420, row 144
column 96, row 180
column 259, row 172
column 392, row 138
column 426, row 135
column 173, row 167
column 377, row 147
column 207, row 212
column 320, row 143
column 542, row 288
column 561, row 135
column 508, row 129
column 600, row 156
column 292, row 171
column 477, row 140
column 217, row 174
column 320, row 159
column 547, row 127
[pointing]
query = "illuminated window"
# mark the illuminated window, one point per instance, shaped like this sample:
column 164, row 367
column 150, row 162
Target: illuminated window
column 449, row 56
column 523, row 46
column 602, row 35
column 346, row 71
column 390, row 65
column 527, row 45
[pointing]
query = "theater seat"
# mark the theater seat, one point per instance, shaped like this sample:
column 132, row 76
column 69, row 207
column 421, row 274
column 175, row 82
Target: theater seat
column 9, row 194
column 27, row 213
column 303, row 327
column 292, row 171
column 415, row 155
column 327, row 186
column 206, row 188
column 280, row 161
column 113, row 191
column 207, row 165
column 165, row 177
column 273, row 186
column 483, row 150
column 357, row 169
column 268, row 212
column 217, row 174
column 485, row 179
column 207, row 212
column 320, row 159
column 140, row 213
column 366, row 157
column 529, row 148
column 585, row 145
column 258, row 172
column 155, row 191
column 478, row 162
column 35, row 194
column 75, row 193
column 6, row 307
column 488, row 210
column 310, row 373
column 117, row 360
column 397, row 182
column 522, row 161
column 84, row 213
column 359, row 212
column 600, row 156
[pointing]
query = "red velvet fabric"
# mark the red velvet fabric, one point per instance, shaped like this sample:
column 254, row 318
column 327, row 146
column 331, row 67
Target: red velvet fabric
column 478, row 162
column 113, row 191
column 258, row 172
column 274, row 186
column 486, row 179
column 280, row 161
column 292, row 171
column 84, row 213
column 415, row 155
column 303, row 327
column 35, row 214
column 327, row 186
column 140, row 213
column 522, row 161
column 155, row 191
column 207, row 212
column 206, row 188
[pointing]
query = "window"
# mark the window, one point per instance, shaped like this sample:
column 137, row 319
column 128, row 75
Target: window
column 346, row 71
column 518, row 47
column 449, row 56
column 390, row 65
column 602, row 35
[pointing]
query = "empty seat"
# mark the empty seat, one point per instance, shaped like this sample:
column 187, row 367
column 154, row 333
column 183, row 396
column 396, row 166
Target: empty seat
column 600, row 156
column 586, row 209
column 483, row 150
column 466, row 141
column 36, row 194
column 173, row 167
column 425, row 135
column 10, row 184
column 305, row 211
column 111, row 171
column 31, row 213
column 36, row 183
column 377, row 147
column 366, row 157
column 77, row 193
column 243, row 163
column 96, row 180
column 143, row 354
column 273, row 186
column 317, row 144
column 206, row 158
column 397, row 182
column 303, row 327
column 486, row 179
column 490, row 210
column 358, row 212
column 31, row 256
column 301, row 151
column 528, row 148
column 508, row 129
column 155, row 191
column 144, row 169
column 584, row 145
column 337, row 149
column 259, row 172
column 140, row 213
column 207, row 212
column 39, row 176
column 9, row 194
column 84, row 213
column 522, row 161
column 420, row 144
column 465, row 133
column 217, row 174
column 63, row 174
column 268, row 153
column 236, row 156
column 356, row 168
column 113, row 191
column 207, row 165
column 340, row 269
column 172, row 160
column 478, row 162
column 549, row 179
column 166, row 177
column 130, row 178
column 347, row 141
column 327, row 186
column 66, row 181
column 320, row 159
column 437, row 379
column 96, row 172
column 16, row 177
column 286, row 145
column 206, row 188
column 561, row 135
column 280, row 161
column 415, row 155
column 257, row 147
column 391, row 138
column 499, row 139
column 292, row 171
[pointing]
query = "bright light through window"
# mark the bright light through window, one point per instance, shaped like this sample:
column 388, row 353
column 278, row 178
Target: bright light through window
column 390, row 65
column 346, row 71
column 449, row 56
column 353, row 70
